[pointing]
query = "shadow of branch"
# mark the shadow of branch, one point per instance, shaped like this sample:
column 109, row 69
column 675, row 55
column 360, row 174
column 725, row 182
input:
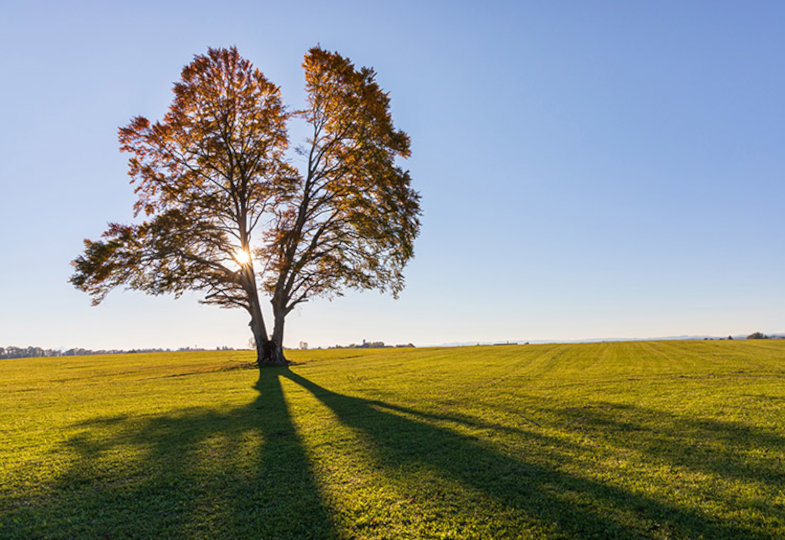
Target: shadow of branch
column 577, row 506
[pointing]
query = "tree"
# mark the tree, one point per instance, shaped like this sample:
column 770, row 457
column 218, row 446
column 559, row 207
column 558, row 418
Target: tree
column 218, row 194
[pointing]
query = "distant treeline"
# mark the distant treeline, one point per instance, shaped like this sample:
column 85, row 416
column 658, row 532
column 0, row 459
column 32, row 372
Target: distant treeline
column 37, row 352
column 761, row 335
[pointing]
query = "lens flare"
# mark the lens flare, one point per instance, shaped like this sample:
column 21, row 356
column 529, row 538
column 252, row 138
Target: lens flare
column 242, row 256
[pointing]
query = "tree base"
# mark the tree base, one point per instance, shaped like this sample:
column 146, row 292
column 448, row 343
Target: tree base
column 270, row 354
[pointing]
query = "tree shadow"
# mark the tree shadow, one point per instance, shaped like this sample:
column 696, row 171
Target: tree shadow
column 242, row 473
column 730, row 449
column 572, row 505
column 245, row 472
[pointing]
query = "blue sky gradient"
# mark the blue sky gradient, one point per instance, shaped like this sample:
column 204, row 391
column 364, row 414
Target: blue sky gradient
column 588, row 169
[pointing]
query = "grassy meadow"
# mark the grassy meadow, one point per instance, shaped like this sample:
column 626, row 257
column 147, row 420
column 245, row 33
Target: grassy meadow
column 629, row 440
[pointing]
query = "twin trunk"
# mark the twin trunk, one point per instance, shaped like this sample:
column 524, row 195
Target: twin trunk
column 269, row 351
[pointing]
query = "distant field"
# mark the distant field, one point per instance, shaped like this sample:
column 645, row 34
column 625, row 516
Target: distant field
column 643, row 439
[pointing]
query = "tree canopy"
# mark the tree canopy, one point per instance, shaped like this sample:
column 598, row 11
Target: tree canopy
column 224, row 209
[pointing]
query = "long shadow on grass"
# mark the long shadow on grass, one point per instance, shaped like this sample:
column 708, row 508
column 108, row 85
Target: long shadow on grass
column 242, row 473
column 729, row 449
column 575, row 506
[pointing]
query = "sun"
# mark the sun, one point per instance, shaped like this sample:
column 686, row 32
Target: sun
column 242, row 256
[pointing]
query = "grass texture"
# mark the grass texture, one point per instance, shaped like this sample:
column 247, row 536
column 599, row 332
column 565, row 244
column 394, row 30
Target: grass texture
column 605, row 440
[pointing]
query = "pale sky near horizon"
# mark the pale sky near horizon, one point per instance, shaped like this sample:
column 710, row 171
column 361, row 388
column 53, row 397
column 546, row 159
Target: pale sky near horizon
column 587, row 169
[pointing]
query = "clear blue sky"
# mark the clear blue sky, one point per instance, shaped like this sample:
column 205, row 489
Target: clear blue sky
column 588, row 169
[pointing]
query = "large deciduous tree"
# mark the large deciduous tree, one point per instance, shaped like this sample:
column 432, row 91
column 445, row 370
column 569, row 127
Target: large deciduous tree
column 217, row 196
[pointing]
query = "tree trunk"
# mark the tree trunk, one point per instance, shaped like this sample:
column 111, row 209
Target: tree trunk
column 269, row 352
column 279, row 318
column 273, row 355
column 259, row 332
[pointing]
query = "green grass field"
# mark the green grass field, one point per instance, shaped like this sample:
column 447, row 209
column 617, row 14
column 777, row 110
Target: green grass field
column 645, row 439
